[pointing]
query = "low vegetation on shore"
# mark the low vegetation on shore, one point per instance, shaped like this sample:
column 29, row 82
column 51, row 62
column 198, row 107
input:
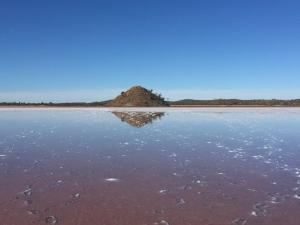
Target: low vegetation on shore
column 237, row 102
column 216, row 102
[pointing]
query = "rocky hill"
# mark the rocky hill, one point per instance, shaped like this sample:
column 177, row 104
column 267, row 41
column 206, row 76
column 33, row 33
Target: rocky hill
column 138, row 96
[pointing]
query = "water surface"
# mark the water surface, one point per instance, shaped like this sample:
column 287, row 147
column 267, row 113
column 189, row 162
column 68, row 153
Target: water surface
column 213, row 166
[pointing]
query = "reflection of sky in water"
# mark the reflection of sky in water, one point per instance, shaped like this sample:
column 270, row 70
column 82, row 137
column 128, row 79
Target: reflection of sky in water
column 193, row 150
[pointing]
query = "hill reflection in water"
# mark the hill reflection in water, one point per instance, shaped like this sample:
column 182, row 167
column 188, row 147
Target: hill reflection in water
column 139, row 119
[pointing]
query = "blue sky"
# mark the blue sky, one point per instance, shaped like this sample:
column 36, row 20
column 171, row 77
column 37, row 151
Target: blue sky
column 62, row 50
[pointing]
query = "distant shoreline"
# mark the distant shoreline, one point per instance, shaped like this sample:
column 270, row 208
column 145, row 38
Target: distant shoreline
column 171, row 106
column 236, row 106
column 189, row 103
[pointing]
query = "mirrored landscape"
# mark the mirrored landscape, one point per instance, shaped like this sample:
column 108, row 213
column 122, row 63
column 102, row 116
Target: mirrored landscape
column 157, row 166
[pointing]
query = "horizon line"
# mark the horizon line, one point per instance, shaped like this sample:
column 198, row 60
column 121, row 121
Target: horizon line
column 100, row 95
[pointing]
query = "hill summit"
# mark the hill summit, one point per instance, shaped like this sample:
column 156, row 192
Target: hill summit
column 138, row 96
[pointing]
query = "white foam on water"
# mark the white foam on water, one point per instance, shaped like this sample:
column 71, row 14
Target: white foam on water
column 162, row 191
column 258, row 157
column 297, row 196
column 112, row 179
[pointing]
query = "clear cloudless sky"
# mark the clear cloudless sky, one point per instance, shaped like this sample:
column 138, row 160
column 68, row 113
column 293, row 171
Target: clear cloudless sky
column 89, row 50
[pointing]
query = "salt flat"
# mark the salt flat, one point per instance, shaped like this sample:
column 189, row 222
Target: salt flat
column 150, row 166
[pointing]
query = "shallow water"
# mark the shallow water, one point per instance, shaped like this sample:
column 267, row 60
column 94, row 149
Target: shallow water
column 207, row 166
